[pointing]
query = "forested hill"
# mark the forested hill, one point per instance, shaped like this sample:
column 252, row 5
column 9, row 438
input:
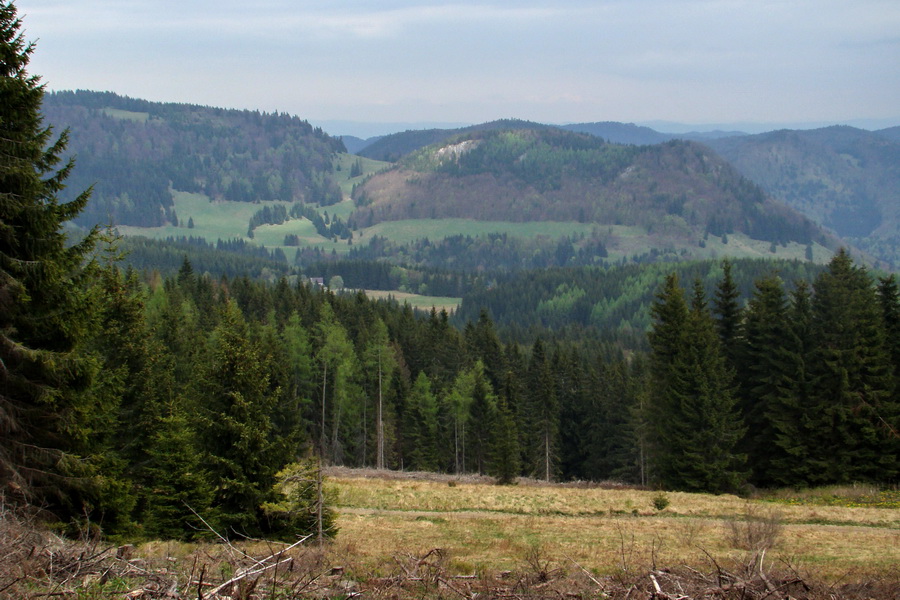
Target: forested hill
column 845, row 178
column 134, row 152
column 678, row 189
column 392, row 148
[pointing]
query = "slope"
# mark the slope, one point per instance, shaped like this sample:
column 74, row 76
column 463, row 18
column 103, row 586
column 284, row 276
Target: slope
column 844, row 178
column 677, row 189
column 136, row 153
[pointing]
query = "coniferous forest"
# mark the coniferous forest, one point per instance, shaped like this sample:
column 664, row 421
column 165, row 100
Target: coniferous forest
column 141, row 402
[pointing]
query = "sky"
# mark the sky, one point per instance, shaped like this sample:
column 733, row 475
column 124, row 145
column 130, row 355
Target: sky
column 366, row 65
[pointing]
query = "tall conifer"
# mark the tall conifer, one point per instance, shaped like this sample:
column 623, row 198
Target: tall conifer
column 852, row 385
column 44, row 306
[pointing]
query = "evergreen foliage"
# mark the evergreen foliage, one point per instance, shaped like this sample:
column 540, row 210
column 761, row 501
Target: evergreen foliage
column 146, row 401
column 45, row 308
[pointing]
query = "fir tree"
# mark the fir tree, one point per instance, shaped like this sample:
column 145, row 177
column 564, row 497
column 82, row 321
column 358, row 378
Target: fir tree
column 770, row 370
column 504, row 464
column 44, row 305
column 700, row 426
column 851, row 377
column 236, row 419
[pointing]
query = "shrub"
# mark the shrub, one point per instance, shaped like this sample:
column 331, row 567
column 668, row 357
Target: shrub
column 756, row 531
column 660, row 501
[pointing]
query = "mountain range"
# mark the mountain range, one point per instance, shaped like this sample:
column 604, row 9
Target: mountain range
column 635, row 189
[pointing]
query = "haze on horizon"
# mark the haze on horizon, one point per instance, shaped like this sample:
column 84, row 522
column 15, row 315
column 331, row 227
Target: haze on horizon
column 401, row 61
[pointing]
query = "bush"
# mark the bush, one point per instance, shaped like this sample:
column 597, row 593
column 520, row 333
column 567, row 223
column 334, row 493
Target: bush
column 660, row 501
column 758, row 530
column 297, row 513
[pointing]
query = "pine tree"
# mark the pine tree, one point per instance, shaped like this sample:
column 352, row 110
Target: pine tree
column 769, row 367
column 44, row 305
column 728, row 312
column 699, row 425
column 236, row 420
column 852, row 383
column 504, row 464
column 541, row 416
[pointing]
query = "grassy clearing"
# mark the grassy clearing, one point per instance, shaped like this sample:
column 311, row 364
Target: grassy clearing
column 852, row 496
column 212, row 220
column 628, row 241
column 345, row 163
column 407, row 231
column 418, row 302
column 126, row 115
column 489, row 528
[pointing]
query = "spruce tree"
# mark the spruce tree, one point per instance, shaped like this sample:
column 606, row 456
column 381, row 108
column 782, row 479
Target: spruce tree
column 698, row 426
column 790, row 414
column 44, row 305
column 851, row 375
column 420, row 423
column 889, row 297
column 481, row 422
column 337, row 360
column 769, row 367
column 241, row 455
column 668, row 339
column 728, row 312
column 541, row 416
column 504, row 463
column 380, row 363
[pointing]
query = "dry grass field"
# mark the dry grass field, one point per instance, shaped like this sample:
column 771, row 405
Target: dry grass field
column 483, row 527
column 424, row 536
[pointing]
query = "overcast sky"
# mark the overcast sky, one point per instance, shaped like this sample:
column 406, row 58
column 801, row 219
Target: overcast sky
column 690, row 61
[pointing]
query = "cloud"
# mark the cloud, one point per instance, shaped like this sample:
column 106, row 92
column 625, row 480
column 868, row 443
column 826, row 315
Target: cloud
column 610, row 59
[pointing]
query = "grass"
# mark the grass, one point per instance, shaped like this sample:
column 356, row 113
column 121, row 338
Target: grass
column 851, row 496
column 229, row 220
column 490, row 528
column 418, row 302
column 126, row 115
column 212, row 220
column 407, row 231
column 415, row 535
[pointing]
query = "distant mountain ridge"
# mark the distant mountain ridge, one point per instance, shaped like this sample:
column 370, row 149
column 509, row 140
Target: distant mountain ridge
column 138, row 153
column 844, row 178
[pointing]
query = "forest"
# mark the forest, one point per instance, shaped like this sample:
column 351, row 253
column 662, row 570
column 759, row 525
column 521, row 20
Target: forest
column 135, row 152
column 135, row 403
